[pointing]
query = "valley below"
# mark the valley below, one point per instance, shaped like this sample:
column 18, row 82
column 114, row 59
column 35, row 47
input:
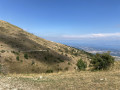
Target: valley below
column 95, row 46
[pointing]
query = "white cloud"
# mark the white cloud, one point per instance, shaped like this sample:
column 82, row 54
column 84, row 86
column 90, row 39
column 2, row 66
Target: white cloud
column 99, row 35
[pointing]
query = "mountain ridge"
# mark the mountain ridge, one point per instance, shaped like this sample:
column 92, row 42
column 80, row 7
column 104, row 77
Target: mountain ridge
column 43, row 55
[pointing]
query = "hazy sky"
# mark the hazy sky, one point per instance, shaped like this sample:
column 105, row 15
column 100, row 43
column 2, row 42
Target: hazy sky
column 64, row 18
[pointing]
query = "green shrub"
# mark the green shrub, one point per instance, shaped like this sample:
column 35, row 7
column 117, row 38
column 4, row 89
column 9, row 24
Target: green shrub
column 2, row 51
column 32, row 63
column 81, row 65
column 21, row 60
column 49, row 71
column 17, row 53
column 61, row 60
column 26, row 56
column 59, row 69
column 66, row 50
column 69, row 63
column 66, row 69
column 17, row 58
column 76, row 54
column 102, row 61
column 0, row 68
column 45, row 58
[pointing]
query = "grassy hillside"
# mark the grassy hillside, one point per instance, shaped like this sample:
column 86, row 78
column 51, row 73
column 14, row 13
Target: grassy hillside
column 23, row 52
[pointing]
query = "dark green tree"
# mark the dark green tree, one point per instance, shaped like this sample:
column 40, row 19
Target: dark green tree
column 26, row 56
column 17, row 58
column 102, row 61
column 81, row 65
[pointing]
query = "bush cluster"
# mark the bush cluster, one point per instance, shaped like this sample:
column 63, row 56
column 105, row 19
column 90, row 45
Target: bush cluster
column 17, row 58
column 49, row 71
column 81, row 64
column 26, row 56
column 0, row 68
column 102, row 61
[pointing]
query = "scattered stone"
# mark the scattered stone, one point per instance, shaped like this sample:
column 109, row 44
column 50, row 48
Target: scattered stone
column 101, row 79
column 41, row 77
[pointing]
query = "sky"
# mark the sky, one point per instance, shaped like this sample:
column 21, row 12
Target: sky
column 64, row 19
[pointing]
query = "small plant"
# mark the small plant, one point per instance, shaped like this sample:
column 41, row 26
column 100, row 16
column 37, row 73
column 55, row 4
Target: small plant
column 66, row 69
column 81, row 65
column 26, row 56
column 21, row 60
column 59, row 69
column 45, row 58
column 102, row 61
column 49, row 71
column 17, row 53
column 56, row 61
column 17, row 58
column 2, row 51
column 66, row 50
column 0, row 68
column 75, row 54
column 61, row 60
column 69, row 63
column 32, row 63
column 60, row 50
column 12, row 51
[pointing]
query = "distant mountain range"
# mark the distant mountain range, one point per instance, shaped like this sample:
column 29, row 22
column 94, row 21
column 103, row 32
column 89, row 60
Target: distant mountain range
column 95, row 46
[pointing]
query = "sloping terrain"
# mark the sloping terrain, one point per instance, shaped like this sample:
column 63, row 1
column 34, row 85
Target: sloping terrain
column 23, row 52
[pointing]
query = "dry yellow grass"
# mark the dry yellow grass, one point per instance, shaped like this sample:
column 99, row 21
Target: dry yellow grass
column 84, row 80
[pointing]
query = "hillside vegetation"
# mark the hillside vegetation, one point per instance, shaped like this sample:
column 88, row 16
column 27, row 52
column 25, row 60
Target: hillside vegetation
column 23, row 52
